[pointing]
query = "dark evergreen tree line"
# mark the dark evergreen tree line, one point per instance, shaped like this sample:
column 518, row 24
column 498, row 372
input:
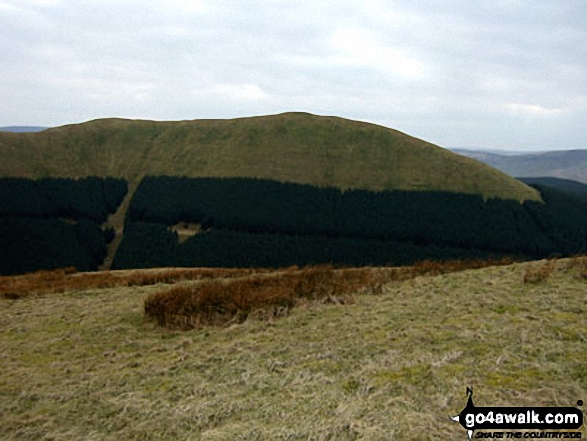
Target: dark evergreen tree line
column 29, row 244
column 148, row 245
column 563, row 218
column 575, row 188
column 421, row 218
column 55, row 223
column 89, row 198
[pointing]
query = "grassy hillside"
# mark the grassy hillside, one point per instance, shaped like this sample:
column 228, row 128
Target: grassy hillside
column 291, row 147
column 390, row 366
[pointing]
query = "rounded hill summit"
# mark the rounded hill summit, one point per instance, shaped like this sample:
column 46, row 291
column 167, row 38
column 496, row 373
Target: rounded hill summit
column 295, row 147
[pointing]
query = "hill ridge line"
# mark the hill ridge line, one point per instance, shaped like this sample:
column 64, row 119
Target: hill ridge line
column 300, row 148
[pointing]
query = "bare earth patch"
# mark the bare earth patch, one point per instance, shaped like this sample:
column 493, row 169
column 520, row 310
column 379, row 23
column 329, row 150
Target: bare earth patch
column 391, row 366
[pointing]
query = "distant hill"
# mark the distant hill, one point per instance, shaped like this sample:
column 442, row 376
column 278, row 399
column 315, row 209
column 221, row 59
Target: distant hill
column 472, row 152
column 271, row 191
column 22, row 129
column 566, row 164
column 291, row 147
column 575, row 188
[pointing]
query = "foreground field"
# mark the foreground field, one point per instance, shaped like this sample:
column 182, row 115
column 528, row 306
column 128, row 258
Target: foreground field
column 85, row 364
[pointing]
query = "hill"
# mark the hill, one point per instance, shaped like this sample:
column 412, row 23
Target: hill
column 22, row 129
column 290, row 147
column 568, row 186
column 566, row 164
column 275, row 191
column 85, row 364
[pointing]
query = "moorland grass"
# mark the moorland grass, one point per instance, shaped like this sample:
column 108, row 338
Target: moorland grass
column 85, row 364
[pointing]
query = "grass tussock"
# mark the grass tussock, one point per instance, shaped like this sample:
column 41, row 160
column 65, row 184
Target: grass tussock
column 539, row 273
column 68, row 279
column 435, row 268
column 579, row 264
column 221, row 302
column 225, row 301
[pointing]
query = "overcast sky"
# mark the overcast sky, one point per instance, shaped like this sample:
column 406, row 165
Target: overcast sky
column 500, row 74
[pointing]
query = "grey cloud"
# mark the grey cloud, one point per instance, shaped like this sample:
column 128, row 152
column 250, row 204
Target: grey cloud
column 489, row 74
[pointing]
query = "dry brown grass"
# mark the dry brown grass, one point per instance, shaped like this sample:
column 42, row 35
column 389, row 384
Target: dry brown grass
column 224, row 301
column 220, row 302
column 539, row 273
column 434, row 268
column 64, row 280
column 68, row 279
column 578, row 263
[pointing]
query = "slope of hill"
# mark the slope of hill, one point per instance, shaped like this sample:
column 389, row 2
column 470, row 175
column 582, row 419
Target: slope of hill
column 392, row 366
column 244, row 222
column 568, row 186
column 291, row 147
column 292, row 189
column 566, row 164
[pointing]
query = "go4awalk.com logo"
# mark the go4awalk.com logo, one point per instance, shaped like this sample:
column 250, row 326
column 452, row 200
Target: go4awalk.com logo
column 505, row 421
